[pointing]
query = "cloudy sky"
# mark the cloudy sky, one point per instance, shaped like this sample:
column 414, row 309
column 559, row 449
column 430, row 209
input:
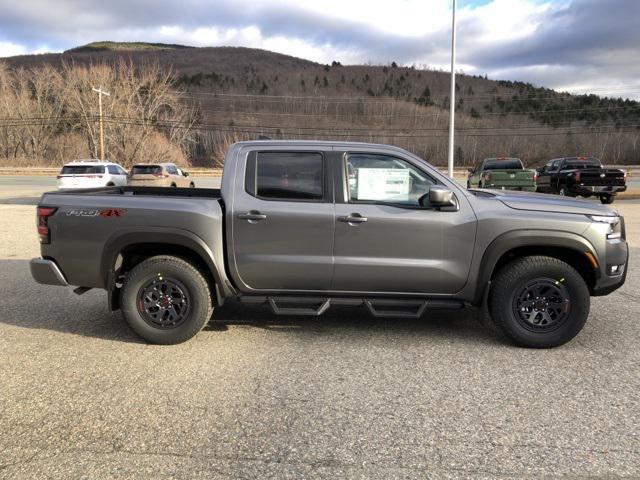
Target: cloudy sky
column 577, row 45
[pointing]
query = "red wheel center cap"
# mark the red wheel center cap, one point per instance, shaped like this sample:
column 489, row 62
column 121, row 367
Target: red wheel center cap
column 165, row 302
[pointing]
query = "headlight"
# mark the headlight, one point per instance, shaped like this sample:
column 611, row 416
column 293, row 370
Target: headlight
column 615, row 230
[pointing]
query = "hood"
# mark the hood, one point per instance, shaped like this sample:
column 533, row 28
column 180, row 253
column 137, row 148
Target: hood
column 550, row 203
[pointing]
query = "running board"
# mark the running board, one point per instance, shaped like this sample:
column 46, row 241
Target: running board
column 323, row 305
column 378, row 307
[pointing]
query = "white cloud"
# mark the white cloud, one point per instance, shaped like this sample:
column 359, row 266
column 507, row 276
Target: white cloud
column 9, row 49
column 555, row 43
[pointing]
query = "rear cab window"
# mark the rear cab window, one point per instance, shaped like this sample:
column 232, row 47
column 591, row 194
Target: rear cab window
column 82, row 170
column 506, row 164
column 286, row 176
column 580, row 163
column 146, row 170
column 379, row 178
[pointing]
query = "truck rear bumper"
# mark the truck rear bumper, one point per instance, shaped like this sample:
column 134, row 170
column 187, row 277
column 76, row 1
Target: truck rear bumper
column 47, row 272
column 596, row 190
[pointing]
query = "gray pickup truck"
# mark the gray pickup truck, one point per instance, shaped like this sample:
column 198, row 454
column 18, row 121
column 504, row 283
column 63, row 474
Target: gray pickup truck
column 302, row 226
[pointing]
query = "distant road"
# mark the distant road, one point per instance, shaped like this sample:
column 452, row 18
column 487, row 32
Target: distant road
column 41, row 181
column 35, row 185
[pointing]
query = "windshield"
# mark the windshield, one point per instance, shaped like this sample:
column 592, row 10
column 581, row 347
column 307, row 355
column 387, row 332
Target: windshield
column 508, row 164
column 82, row 170
column 146, row 169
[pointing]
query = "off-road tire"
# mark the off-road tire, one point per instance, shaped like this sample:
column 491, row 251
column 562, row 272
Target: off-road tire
column 196, row 289
column 563, row 192
column 515, row 277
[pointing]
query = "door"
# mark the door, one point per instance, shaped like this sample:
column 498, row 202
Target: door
column 386, row 242
column 544, row 177
column 283, row 222
column 474, row 178
column 118, row 176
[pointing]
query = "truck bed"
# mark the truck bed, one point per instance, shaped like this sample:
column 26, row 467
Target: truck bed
column 150, row 191
column 90, row 225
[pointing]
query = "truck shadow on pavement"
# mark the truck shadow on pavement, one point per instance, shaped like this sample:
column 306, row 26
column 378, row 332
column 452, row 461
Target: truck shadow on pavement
column 27, row 304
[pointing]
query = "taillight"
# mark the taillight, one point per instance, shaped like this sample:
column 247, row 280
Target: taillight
column 578, row 176
column 535, row 175
column 624, row 172
column 43, row 214
column 59, row 177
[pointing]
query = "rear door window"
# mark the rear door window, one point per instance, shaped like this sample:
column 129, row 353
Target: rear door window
column 82, row 170
column 289, row 176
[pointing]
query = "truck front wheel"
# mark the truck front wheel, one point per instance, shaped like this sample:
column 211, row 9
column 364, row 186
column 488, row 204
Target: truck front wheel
column 539, row 302
column 166, row 300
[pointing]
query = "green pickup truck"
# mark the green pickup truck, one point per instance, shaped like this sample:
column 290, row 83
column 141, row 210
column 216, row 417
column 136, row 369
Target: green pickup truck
column 502, row 173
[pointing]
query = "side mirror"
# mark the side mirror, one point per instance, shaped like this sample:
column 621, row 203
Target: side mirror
column 470, row 170
column 186, row 174
column 438, row 197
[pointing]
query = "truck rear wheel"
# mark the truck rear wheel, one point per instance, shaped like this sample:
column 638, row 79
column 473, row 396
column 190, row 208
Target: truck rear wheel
column 539, row 302
column 607, row 199
column 166, row 300
column 563, row 192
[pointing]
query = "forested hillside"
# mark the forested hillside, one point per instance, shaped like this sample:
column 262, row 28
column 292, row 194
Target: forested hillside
column 238, row 93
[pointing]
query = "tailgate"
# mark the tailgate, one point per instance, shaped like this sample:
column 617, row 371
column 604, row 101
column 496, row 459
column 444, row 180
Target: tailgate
column 602, row 178
column 512, row 177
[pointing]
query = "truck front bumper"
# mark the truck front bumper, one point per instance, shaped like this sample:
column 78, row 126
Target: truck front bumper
column 47, row 272
column 617, row 256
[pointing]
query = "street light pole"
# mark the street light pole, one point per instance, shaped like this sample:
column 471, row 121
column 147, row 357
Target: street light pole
column 100, row 93
column 452, row 106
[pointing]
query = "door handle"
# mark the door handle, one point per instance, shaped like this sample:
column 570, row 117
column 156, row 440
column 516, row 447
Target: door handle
column 252, row 216
column 353, row 218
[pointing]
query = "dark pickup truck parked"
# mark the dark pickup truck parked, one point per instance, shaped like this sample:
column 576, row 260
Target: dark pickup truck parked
column 584, row 176
column 302, row 226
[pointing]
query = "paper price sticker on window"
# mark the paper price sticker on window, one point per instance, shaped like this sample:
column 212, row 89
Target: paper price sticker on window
column 384, row 184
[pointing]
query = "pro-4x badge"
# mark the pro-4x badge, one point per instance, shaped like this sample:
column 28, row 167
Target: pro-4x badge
column 112, row 212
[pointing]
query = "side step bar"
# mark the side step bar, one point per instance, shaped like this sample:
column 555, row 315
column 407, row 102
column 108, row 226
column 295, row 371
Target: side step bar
column 378, row 307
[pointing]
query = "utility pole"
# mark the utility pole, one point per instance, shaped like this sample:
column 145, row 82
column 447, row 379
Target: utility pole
column 100, row 93
column 452, row 101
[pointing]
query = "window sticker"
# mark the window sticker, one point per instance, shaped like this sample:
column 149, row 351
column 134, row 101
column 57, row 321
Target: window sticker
column 383, row 184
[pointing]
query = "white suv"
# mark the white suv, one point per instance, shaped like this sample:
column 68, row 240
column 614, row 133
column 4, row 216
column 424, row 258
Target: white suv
column 91, row 174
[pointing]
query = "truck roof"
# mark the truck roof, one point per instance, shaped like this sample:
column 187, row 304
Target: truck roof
column 318, row 143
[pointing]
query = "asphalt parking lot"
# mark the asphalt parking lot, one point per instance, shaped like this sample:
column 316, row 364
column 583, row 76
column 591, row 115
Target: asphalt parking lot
column 342, row 396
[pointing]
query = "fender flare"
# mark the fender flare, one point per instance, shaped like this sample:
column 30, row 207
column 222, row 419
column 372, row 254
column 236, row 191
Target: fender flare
column 169, row 236
column 527, row 238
